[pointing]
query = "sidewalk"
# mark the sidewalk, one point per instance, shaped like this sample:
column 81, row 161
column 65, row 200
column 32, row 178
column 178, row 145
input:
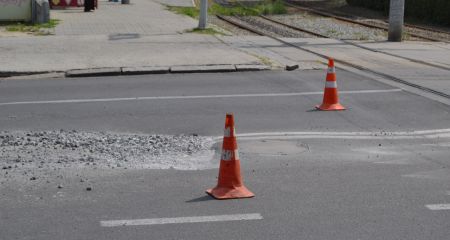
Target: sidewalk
column 140, row 34
column 142, row 17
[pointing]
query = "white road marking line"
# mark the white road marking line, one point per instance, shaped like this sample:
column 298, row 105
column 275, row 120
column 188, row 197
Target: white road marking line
column 93, row 100
column 436, row 207
column 197, row 219
column 424, row 134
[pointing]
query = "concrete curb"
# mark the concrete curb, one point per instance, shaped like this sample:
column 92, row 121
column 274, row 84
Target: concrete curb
column 164, row 69
column 251, row 67
column 94, row 72
column 117, row 71
column 203, row 68
column 14, row 73
column 144, row 70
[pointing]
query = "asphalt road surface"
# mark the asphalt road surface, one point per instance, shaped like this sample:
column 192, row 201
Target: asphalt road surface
column 379, row 170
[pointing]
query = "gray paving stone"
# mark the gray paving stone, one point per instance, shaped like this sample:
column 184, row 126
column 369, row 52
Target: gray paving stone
column 144, row 17
column 63, row 53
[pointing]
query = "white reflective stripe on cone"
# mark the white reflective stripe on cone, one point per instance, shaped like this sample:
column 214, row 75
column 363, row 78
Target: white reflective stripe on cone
column 331, row 70
column 330, row 84
column 227, row 132
column 227, row 155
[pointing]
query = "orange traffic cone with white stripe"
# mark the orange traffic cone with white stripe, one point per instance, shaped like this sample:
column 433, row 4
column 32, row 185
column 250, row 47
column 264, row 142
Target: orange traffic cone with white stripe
column 330, row 96
column 230, row 183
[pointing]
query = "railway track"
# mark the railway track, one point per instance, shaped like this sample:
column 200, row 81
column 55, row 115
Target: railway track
column 424, row 28
column 240, row 22
column 272, row 32
column 410, row 29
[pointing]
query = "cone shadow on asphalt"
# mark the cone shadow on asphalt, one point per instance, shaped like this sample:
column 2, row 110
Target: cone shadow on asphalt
column 201, row 199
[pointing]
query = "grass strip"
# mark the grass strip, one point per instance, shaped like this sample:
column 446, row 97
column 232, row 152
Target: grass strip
column 29, row 27
column 266, row 7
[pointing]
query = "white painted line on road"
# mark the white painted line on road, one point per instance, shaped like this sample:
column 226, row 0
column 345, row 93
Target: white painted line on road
column 197, row 219
column 423, row 134
column 386, row 133
column 436, row 207
column 93, row 100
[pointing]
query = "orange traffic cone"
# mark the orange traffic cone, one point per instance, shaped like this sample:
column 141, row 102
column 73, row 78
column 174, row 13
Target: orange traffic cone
column 230, row 183
column 330, row 96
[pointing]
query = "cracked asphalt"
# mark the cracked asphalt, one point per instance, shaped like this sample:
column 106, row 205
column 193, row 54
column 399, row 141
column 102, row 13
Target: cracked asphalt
column 316, row 175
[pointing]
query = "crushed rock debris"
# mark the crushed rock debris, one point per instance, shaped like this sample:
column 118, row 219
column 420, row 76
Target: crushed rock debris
column 26, row 151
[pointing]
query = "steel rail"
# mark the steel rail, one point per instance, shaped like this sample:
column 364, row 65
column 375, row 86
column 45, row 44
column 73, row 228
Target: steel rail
column 343, row 62
column 293, row 27
column 230, row 21
column 426, row 28
column 321, row 13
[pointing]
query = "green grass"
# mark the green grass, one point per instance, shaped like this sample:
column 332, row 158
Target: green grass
column 273, row 7
column 266, row 7
column 31, row 28
column 217, row 9
column 188, row 11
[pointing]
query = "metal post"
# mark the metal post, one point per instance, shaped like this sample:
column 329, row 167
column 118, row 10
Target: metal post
column 203, row 14
column 33, row 12
column 396, row 18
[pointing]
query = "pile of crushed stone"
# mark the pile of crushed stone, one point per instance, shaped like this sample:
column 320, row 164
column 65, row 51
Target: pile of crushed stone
column 67, row 149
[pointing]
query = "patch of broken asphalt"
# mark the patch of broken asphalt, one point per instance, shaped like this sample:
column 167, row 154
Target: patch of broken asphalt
column 30, row 156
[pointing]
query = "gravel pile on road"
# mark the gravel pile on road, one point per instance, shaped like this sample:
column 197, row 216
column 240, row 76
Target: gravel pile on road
column 53, row 150
column 331, row 27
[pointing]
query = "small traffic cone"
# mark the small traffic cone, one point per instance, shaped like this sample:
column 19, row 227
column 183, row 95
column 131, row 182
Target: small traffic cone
column 330, row 95
column 230, row 183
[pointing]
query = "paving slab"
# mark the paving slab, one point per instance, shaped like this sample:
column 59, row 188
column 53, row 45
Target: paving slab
column 277, row 54
column 62, row 53
column 143, row 17
column 177, row 3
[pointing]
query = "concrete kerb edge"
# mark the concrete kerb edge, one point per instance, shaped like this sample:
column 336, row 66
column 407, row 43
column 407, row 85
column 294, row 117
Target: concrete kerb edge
column 7, row 74
column 220, row 68
column 251, row 67
column 116, row 71
column 144, row 70
column 94, row 72
column 203, row 68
